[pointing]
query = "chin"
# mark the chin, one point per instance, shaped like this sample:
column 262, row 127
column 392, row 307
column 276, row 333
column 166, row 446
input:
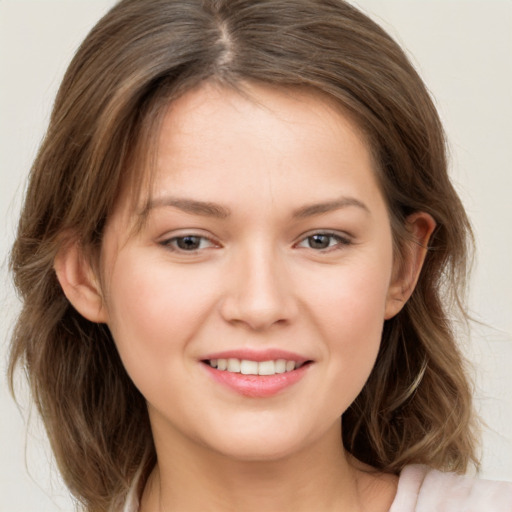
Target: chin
column 260, row 451
column 261, row 444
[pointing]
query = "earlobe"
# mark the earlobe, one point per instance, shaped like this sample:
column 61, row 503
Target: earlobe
column 79, row 283
column 420, row 225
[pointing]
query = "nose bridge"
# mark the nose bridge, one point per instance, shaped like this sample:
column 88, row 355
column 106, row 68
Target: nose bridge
column 260, row 293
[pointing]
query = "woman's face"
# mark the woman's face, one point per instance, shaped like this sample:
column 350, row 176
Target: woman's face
column 267, row 249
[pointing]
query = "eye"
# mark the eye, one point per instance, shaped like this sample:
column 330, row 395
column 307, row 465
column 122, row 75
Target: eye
column 188, row 243
column 323, row 241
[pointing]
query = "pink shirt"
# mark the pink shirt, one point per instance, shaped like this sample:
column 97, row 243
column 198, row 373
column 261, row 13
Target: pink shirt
column 421, row 489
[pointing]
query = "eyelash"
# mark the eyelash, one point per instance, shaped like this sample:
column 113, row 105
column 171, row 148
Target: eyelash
column 172, row 243
column 340, row 241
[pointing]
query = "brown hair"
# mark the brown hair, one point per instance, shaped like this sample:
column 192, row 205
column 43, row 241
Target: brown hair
column 416, row 406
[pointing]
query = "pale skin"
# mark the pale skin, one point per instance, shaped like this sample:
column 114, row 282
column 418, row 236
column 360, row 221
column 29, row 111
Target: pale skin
column 266, row 230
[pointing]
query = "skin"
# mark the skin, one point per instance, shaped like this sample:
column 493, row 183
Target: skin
column 255, row 280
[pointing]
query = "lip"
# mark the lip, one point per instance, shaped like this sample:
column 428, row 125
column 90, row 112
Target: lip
column 257, row 386
column 257, row 355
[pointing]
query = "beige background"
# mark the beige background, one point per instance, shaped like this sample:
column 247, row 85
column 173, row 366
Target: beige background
column 463, row 49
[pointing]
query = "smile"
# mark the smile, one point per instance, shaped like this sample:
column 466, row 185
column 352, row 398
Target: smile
column 249, row 367
column 256, row 374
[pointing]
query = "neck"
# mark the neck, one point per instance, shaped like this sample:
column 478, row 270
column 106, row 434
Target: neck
column 321, row 477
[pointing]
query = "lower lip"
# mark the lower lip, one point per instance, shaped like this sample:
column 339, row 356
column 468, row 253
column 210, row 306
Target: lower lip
column 257, row 386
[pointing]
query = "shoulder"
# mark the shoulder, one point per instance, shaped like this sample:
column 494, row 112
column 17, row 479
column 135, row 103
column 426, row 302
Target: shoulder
column 421, row 489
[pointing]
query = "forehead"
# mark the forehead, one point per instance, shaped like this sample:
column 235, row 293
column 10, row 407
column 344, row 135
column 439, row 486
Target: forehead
column 257, row 113
column 268, row 135
column 211, row 124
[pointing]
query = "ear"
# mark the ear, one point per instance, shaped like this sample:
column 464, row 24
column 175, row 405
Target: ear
column 407, row 271
column 79, row 282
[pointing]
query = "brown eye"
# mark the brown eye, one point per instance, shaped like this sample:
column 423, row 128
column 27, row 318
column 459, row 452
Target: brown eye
column 187, row 243
column 323, row 241
column 319, row 241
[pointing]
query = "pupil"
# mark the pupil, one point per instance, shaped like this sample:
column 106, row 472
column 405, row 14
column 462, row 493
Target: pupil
column 319, row 241
column 188, row 243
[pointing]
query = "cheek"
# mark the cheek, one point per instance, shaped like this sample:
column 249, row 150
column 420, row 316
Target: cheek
column 153, row 315
column 350, row 314
column 352, row 297
column 153, row 312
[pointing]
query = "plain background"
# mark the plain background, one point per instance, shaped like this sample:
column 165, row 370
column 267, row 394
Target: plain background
column 463, row 50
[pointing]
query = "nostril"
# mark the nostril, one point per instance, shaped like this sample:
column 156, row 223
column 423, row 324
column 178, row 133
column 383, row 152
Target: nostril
column 258, row 315
column 258, row 293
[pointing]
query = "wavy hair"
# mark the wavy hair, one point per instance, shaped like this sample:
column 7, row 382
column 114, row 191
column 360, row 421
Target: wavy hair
column 416, row 406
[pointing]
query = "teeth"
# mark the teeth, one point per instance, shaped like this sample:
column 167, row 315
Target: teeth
column 248, row 367
column 267, row 368
column 280, row 366
column 234, row 365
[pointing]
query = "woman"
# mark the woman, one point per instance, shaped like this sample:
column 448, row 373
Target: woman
column 236, row 256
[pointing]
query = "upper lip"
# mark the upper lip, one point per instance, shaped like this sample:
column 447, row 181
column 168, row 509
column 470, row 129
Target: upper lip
column 270, row 354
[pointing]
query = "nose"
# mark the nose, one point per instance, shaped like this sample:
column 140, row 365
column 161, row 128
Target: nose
column 260, row 293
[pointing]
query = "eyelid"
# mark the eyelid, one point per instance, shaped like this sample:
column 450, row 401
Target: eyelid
column 167, row 241
column 343, row 238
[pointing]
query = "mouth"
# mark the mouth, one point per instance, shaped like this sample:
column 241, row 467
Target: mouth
column 257, row 376
column 251, row 367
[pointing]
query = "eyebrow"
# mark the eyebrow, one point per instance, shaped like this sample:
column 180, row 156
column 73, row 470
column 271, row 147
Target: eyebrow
column 203, row 208
column 328, row 206
column 209, row 209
